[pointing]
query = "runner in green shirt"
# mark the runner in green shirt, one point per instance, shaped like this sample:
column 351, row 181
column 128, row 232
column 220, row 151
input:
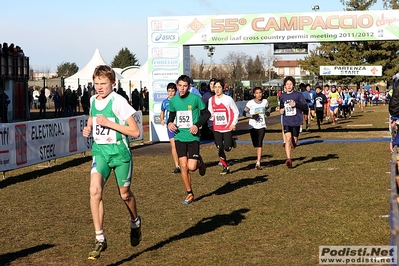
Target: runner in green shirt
column 187, row 113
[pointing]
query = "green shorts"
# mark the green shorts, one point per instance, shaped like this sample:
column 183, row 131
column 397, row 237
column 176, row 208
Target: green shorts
column 116, row 157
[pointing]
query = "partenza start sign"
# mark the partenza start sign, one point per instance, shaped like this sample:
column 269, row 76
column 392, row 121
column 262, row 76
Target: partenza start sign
column 351, row 70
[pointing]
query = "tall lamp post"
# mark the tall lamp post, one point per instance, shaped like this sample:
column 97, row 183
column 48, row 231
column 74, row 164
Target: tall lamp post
column 211, row 51
column 44, row 81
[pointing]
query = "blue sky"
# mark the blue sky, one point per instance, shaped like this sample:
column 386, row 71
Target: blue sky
column 53, row 32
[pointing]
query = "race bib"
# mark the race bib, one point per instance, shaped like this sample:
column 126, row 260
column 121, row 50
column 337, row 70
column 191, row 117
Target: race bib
column 184, row 119
column 289, row 110
column 103, row 135
column 220, row 118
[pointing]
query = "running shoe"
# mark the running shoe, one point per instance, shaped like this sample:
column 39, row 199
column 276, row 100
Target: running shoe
column 234, row 143
column 258, row 167
column 288, row 163
column 189, row 199
column 293, row 145
column 202, row 167
column 96, row 249
column 307, row 128
column 135, row 234
column 177, row 170
column 225, row 171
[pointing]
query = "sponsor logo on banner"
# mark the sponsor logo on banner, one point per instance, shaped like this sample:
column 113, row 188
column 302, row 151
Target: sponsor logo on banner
column 157, row 119
column 160, row 25
column 159, row 97
column 47, row 130
column 195, row 26
column 165, row 74
column 165, row 52
column 166, row 37
column 165, row 63
column 160, row 85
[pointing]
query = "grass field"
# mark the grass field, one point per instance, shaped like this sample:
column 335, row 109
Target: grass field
column 336, row 194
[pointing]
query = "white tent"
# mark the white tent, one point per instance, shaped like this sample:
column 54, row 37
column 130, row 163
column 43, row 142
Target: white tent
column 85, row 75
column 138, row 79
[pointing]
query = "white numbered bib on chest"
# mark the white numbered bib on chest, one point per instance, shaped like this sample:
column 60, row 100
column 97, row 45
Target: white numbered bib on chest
column 220, row 118
column 103, row 135
column 184, row 119
column 289, row 110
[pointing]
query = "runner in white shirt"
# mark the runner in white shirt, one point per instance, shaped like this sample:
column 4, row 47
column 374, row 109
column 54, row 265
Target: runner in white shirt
column 257, row 110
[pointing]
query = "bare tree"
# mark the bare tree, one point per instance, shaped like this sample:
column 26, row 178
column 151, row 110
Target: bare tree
column 235, row 66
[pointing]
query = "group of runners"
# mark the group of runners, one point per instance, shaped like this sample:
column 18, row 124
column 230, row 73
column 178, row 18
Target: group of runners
column 184, row 112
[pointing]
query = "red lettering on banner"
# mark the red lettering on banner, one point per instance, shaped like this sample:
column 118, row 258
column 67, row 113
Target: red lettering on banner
column 21, row 144
column 73, row 135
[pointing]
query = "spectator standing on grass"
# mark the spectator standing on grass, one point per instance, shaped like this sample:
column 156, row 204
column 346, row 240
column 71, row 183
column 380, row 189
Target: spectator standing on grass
column 136, row 99
column 224, row 115
column 319, row 102
column 48, row 96
column 123, row 94
column 171, row 90
column 112, row 118
column 74, row 102
column 257, row 109
column 35, row 95
column 68, row 103
column 42, row 103
column 57, row 104
column 143, row 100
column 292, row 107
column 85, row 101
column 190, row 113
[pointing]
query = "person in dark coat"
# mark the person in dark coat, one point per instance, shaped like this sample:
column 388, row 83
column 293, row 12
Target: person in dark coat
column 4, row 102
column 136, row 99
column 42, row 103
column 85, row 100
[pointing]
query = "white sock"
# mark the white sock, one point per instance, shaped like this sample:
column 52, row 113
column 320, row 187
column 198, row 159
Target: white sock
column 100, row 236
column 135, row 223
